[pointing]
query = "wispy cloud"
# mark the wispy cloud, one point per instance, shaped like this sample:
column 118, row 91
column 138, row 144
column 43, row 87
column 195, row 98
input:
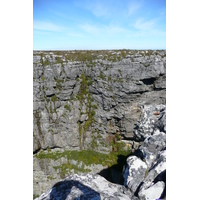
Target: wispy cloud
column 99, row 10
column 101, row 30
column 89, row 28
column 143, row 25
column 113, row 29
column 134, row 6
column 47, row 26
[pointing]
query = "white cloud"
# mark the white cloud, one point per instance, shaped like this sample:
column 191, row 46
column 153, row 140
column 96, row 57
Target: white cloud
column 47, row 26
column 101, row 30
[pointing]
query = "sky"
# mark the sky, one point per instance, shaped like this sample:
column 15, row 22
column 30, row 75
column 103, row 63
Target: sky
column 99, row 24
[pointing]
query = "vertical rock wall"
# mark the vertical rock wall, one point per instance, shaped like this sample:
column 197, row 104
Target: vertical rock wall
column 82, row 100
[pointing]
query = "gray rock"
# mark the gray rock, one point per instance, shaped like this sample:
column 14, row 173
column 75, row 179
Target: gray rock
column 85, row 187
column 157, row 171
column 153, row 145
column 151, row 154
column 134, row 173
column 153, row 192
column 148, row 122
column 112, row 97
column 160, row 83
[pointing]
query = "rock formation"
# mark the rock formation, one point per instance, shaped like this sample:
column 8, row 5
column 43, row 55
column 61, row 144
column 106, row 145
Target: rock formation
column 144, row 174
column 102, row 101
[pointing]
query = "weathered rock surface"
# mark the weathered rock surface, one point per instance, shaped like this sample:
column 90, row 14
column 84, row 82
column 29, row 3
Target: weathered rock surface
column 73, row 99
column 134, row 173
column 86, row 187
column 97, row 102
column 153, row 192
column 145, row 173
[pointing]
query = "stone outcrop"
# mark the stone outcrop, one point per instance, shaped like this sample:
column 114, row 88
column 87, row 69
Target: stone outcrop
column 144, row 174
column 102, row 101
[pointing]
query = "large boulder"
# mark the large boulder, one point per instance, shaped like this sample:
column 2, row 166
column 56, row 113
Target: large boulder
column 85, row 187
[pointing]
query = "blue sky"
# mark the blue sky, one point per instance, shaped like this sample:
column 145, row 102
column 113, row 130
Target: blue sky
column 99, row 24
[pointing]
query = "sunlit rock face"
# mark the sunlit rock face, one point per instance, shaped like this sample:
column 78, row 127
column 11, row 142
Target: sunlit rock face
column 82, row 95
column 105, row 101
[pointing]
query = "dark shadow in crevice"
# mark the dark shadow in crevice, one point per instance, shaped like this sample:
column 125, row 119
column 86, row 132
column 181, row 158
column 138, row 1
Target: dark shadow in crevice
column 36, row 151
column 138, row 189
column 114, row 174
column 44, row 149
column 72, row 188
column 148, row 81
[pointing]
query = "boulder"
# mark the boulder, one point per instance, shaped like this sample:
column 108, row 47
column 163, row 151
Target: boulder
column 85, row 187
column 153, row 192
column 134, row 173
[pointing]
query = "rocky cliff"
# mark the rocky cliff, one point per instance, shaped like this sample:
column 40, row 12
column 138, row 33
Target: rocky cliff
column 91, row 101
column 144, row 173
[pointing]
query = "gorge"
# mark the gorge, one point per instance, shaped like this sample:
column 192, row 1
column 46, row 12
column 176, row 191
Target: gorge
column 99, row 124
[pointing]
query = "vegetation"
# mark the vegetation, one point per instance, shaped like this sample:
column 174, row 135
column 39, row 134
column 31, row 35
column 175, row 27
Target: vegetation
column 35, row 196
column 67, row 107
column 90, row 57
column 85, row 98
column 87, row 157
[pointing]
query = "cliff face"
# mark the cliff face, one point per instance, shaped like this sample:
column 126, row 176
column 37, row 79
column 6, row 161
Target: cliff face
column 77, row 104
column 144, row 173
column 90, row 100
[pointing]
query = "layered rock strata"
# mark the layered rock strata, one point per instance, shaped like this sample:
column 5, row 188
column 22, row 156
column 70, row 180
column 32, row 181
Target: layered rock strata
column 77, row 102
column 92, row 100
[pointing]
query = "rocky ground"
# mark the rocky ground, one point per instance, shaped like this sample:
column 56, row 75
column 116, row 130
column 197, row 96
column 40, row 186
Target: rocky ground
column 108, row 102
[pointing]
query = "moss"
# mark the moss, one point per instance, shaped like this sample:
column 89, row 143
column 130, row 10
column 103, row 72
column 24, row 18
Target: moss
column 59, row 80
column 46, row 62
column 54, row 98
column 94, row 144
column 37, row 117
column 146, row 173
column 85, row 96
column 119, row 70
column 35, row 196
column 50, row 178
column 51, row 110
column 65, row 169
column 67, row 107
column 120, row 80
column 59, row 60
column 109, row 78
column 87, row 157
column 102, row 76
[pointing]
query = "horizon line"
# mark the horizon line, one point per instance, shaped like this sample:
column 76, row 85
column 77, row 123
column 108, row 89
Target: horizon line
column 96, row 49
